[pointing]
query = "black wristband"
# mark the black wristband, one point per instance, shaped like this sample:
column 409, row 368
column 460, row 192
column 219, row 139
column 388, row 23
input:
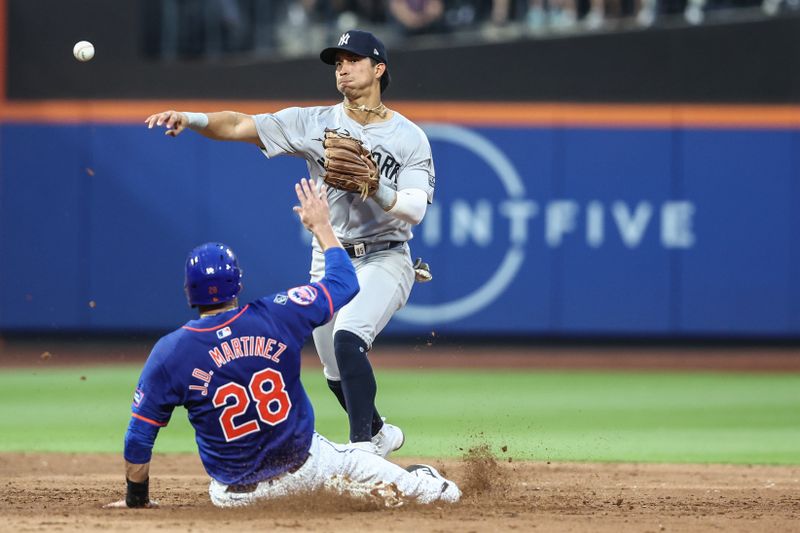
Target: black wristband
column 138, row 493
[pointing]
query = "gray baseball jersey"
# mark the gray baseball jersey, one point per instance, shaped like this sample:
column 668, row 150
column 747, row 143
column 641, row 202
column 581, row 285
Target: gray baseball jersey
column 399, row 148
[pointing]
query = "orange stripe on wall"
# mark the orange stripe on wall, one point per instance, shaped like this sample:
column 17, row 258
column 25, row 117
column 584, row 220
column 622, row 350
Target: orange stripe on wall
column 468, row 113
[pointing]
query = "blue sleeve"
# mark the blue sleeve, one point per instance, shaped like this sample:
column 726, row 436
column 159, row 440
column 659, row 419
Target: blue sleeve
column 155, row 396
column 340, row 279
column 139, row 440
column 314, row 304
column 153, row 402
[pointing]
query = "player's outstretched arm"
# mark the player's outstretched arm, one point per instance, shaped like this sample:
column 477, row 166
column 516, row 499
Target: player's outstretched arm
column 221, row 126
column 139, row 441
column 340, row 276
column 314, row 212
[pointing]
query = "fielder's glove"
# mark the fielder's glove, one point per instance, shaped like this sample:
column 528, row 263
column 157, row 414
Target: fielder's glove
column 349, row 165
column 422, row 271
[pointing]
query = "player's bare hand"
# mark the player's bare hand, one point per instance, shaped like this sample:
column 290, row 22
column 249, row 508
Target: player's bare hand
column 121, row 504
column 174, row 121
column 313, row 208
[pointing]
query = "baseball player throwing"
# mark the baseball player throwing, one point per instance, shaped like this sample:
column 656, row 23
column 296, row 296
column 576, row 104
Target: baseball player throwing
column 236, row 370
column 373, row 220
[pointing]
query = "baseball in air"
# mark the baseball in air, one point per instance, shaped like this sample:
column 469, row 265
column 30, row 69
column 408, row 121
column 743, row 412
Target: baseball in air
column 83, row 50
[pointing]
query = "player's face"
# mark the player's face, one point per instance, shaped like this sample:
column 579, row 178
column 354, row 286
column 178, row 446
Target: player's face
column 355, row 75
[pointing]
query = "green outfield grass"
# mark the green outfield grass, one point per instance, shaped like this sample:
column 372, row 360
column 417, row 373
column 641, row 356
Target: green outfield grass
column 574, row 416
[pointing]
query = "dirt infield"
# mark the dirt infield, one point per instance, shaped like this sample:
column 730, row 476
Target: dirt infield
column 65, row 492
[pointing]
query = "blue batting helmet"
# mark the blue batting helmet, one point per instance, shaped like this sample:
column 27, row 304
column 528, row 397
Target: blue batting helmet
column 213, row 275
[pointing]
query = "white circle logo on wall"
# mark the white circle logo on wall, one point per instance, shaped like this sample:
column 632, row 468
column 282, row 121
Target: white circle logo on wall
column 507, row 271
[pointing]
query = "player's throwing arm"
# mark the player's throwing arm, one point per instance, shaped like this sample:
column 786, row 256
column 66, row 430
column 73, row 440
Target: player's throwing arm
column 220, row 126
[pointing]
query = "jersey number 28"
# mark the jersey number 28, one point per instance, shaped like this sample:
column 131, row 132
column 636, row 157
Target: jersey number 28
column 272, row 405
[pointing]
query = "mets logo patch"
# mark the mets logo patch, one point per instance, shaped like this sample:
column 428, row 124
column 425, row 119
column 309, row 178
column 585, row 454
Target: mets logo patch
column 304, row 295
column 138, row 396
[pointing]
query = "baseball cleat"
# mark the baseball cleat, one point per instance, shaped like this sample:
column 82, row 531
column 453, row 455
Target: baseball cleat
column 450, row 492
column 388, row 439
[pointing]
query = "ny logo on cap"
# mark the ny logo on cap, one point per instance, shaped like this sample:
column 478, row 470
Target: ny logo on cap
column 343, row 39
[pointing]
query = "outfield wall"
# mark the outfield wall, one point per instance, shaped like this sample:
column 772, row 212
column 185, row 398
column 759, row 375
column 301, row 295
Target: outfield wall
column 562, row 209
column 546, row 228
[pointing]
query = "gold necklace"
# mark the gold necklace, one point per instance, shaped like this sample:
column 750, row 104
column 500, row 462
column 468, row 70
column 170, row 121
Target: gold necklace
column 379, row 109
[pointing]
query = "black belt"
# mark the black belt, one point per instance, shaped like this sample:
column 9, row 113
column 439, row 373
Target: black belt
column 244, row 488
column 361, row 249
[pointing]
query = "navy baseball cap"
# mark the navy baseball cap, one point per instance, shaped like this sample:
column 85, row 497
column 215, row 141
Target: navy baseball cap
column 361, row 43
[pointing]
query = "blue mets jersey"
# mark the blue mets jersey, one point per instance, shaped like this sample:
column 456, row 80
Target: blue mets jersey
column 238, row 376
